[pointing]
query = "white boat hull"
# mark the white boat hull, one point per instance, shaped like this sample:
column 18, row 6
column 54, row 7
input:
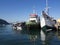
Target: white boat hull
column 19, row 28
column 46, row 22
column 43, row 36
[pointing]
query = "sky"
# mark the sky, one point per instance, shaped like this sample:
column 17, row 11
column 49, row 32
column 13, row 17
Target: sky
column 19, row 10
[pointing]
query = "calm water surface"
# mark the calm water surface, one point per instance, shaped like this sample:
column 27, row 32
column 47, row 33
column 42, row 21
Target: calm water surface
column 8, row 36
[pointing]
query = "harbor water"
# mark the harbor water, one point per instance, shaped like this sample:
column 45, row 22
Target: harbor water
column 8, row 36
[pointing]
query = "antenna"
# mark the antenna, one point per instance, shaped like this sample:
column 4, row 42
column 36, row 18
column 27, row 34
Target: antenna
column 34, row 11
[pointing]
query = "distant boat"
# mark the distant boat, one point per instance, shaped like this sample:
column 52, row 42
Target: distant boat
column 19, row 26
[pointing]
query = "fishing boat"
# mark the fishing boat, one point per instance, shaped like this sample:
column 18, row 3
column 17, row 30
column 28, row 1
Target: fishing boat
column 33, row 22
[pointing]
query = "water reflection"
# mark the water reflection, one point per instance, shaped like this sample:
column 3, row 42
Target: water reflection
column 48, row 37
column 58, row 34
column 8, row 36
column 32, row 35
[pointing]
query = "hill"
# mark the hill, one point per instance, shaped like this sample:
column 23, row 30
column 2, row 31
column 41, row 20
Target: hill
column 3, row 22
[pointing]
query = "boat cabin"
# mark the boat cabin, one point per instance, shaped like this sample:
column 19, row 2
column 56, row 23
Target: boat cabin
column 34, row 18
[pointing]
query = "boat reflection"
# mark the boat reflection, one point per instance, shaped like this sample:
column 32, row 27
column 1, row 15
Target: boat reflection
column 58, row 35
column 34, row 35
column 48, row 37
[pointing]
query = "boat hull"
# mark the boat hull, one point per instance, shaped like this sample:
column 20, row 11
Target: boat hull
column 19, row 28
column 47, row 24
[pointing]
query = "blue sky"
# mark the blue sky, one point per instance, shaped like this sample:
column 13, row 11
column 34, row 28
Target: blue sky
column 19, row 10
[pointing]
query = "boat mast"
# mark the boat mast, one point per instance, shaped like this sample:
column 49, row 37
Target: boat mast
column 47, row 8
